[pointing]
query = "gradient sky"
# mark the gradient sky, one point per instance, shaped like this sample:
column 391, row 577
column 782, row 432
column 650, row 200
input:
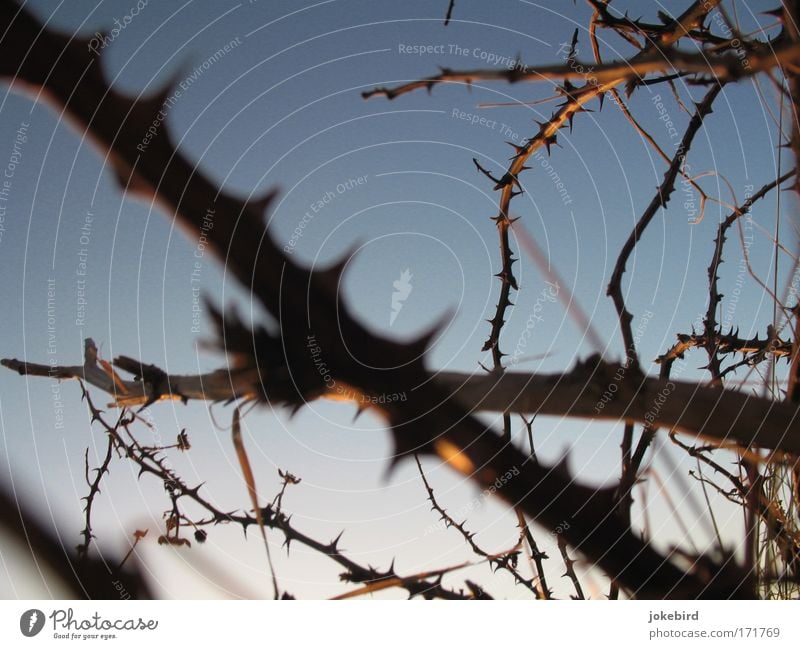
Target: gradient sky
column 283, row 109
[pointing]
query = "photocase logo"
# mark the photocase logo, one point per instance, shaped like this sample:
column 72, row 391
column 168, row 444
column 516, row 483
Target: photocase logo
column 402, row 290
column 31, row 622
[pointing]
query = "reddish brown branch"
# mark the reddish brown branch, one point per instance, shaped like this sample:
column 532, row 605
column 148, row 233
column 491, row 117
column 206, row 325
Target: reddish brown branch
column 729, row 343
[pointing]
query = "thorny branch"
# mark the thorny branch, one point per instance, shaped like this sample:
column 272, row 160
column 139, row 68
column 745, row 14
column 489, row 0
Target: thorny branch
column 658, row 202
column 600, row 80
column 754, row 349
column 569, row 566
column 726, row 415
column 507, row 560
column 94, row 490
column 714, row 341
column 152, row 461
column 722, row 69
column 768, row 509
column 632, row 460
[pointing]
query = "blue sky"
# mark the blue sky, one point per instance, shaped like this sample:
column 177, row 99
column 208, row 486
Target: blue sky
column 283, row 109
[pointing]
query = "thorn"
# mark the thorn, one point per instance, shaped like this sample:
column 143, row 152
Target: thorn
column 775, row 13
column 361, row 408
column 580, row 109
column 261, row 205
column 573, row 46
column 332, row 275
column 487, row 173
column 542, row 125
column 553, row 139
column 519, row 149
column 393, row 463
column 507, row 179
column 420, row 346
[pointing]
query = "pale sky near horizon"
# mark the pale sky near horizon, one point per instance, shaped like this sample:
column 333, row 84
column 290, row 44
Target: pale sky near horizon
column 281, row 108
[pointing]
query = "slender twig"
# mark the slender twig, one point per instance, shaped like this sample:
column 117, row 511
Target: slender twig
column 449, row 15
column 506, row 560
column 288, row 479
column 94, row 490
column 252, row 492
column 149, row 462
column 666, row 188
column 569, row 565
column 713, row 340
column 138, row 535
column 721, row 69
column 768, row 509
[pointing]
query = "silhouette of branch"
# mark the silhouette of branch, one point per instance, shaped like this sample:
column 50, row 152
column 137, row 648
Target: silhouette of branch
column 791, row 29
column 138, row 535
column 569, row 565
column 767, row 508
column 288, row 479
column 727, row 415
column 449, row 15
column 94, row 489
column 536, row 555
column 658, row 202
column 720, row 69
column 599, row 80
column 632, row 461
column 791, row 20
column 506, row 560
column 428, row 584
column 716, row 342
column 713, row 340
column 151, row 461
